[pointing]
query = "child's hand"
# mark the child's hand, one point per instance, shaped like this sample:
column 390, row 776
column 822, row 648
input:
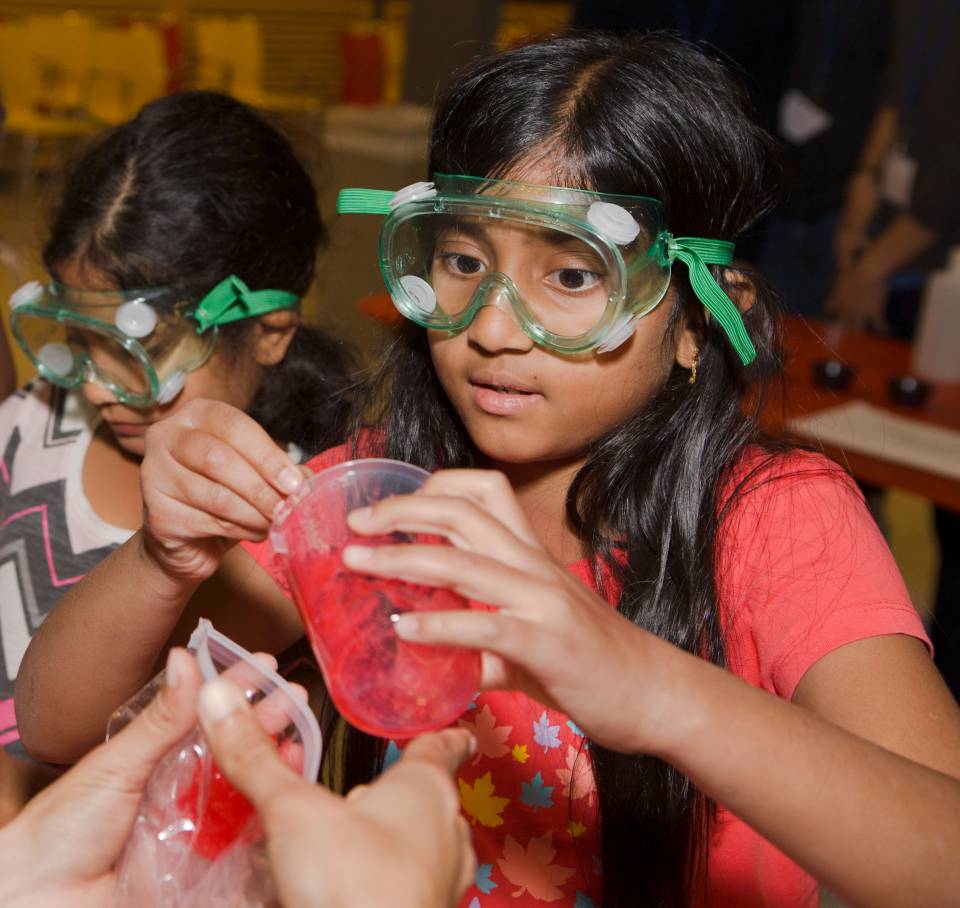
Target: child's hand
column 551, row 637
column 210, row 477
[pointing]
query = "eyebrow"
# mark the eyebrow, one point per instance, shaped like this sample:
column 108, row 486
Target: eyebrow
column 478, row 231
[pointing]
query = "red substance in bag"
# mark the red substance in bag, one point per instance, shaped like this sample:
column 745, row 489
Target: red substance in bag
column 226, row 814
column 228, row 817
column 380, row 683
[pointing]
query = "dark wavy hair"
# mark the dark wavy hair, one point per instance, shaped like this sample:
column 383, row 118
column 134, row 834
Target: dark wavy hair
column 196, row 187
column 645, row 115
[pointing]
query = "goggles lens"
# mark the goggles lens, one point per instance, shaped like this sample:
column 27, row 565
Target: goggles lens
column 556, row 279
column 530, row 250
column 129, row 342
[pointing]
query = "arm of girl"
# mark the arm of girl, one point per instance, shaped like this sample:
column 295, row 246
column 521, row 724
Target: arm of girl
column 210, row 477
column 856, row 779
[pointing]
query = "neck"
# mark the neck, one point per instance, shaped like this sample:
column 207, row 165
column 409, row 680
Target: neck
column 541, row 488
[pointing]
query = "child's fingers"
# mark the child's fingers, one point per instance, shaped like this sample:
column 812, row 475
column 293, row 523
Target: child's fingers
column 166, row 517
column 232, row 485
column 490, row 490
column 521, row 642
column 242, row 433
column 465, row 524
column 474, row 576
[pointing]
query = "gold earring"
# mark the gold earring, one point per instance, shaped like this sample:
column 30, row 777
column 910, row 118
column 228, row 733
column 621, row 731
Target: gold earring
column 693, row 368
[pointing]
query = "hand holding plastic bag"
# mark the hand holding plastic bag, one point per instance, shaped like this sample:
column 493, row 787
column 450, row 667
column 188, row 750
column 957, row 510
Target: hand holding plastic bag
column 196, row 840
column 400, row 841
column 61, row 849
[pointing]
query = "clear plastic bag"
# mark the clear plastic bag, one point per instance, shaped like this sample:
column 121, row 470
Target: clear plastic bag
column 196, row 842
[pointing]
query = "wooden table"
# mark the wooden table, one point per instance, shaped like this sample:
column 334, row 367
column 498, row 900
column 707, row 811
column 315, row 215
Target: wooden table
column 876, row 360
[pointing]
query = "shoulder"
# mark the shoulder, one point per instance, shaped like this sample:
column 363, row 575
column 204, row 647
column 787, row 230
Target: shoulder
column 802, row 566
column 780, row 491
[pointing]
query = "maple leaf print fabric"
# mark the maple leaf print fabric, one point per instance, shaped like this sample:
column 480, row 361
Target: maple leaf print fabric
column 530, row 797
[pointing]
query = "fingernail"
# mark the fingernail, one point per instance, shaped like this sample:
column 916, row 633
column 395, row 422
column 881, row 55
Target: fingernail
column 290, row 479
column 173, row 674
column 472, row 745
column 406, row 626
column 218, row 700
column 357, row 555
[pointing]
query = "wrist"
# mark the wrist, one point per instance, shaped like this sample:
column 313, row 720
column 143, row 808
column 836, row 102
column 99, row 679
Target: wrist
column 674, row 709
column 165, row 586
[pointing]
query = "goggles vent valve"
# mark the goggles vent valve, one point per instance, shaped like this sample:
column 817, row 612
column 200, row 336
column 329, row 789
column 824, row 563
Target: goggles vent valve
column 171, row 387
column 420, row 292
column 26, row 294
column 415, row 192
column 58, row 358
column 614, row 222
column 136, row 318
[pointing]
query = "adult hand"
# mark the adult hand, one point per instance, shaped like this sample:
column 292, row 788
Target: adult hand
column 858, row 298
column 546, row 625
column 326, row 851
column 210, row 477
column 62, row 847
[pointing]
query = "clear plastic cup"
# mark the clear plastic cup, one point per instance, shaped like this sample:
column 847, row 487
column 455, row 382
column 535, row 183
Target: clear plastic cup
column 380, row 683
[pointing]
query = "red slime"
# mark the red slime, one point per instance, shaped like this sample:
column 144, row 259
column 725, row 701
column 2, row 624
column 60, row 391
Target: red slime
column 380, row 683
column 227, row 816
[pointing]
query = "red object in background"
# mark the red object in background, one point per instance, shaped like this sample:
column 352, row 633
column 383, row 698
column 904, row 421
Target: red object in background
column 380, row 308
column 380, row 683
column 362, row 67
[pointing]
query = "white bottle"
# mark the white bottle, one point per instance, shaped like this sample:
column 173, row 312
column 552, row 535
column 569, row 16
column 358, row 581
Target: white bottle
column 936, row 348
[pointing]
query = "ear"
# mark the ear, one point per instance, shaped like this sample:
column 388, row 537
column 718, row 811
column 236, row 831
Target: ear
column 273, row 333
column 687, row 347
column 741, row 289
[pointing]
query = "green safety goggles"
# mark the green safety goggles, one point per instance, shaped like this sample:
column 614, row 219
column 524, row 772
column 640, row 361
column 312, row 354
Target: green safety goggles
column 575, row 268
column 139, row 344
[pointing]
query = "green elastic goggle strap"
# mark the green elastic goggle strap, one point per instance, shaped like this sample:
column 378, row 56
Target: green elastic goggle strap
column 695, row 252
column 232, row 300
column 364, row 201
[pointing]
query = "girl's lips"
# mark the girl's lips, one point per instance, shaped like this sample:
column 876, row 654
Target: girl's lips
column 502, row 400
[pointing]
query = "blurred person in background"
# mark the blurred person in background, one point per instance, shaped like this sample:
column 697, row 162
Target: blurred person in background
column 839, row 55
column 900, row 218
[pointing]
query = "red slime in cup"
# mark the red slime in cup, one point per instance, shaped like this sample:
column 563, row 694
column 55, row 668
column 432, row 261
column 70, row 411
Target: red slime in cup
column 380, row 683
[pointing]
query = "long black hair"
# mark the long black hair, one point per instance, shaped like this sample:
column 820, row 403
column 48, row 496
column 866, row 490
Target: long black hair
column 196, row 187
column 645, row 115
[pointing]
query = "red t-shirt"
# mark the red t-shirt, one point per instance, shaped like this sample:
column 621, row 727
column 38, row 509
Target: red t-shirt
column 803, row 570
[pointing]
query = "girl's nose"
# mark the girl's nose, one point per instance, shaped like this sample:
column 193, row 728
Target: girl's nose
column 495, row 328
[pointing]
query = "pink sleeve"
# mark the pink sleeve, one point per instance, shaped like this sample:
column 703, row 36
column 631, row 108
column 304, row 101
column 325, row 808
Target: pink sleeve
column 262, row 552
column 804, row 570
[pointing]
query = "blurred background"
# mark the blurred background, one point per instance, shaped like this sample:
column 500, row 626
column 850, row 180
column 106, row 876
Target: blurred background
column 351, row 82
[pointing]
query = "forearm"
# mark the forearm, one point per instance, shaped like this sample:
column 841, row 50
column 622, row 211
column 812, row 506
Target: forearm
column 875, row 828
column 94, row 651
column 896, row 247
column 880, row 138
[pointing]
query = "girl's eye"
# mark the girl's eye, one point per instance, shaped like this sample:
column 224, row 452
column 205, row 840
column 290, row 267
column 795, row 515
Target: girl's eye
column 575, row 278
column 463, row 264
